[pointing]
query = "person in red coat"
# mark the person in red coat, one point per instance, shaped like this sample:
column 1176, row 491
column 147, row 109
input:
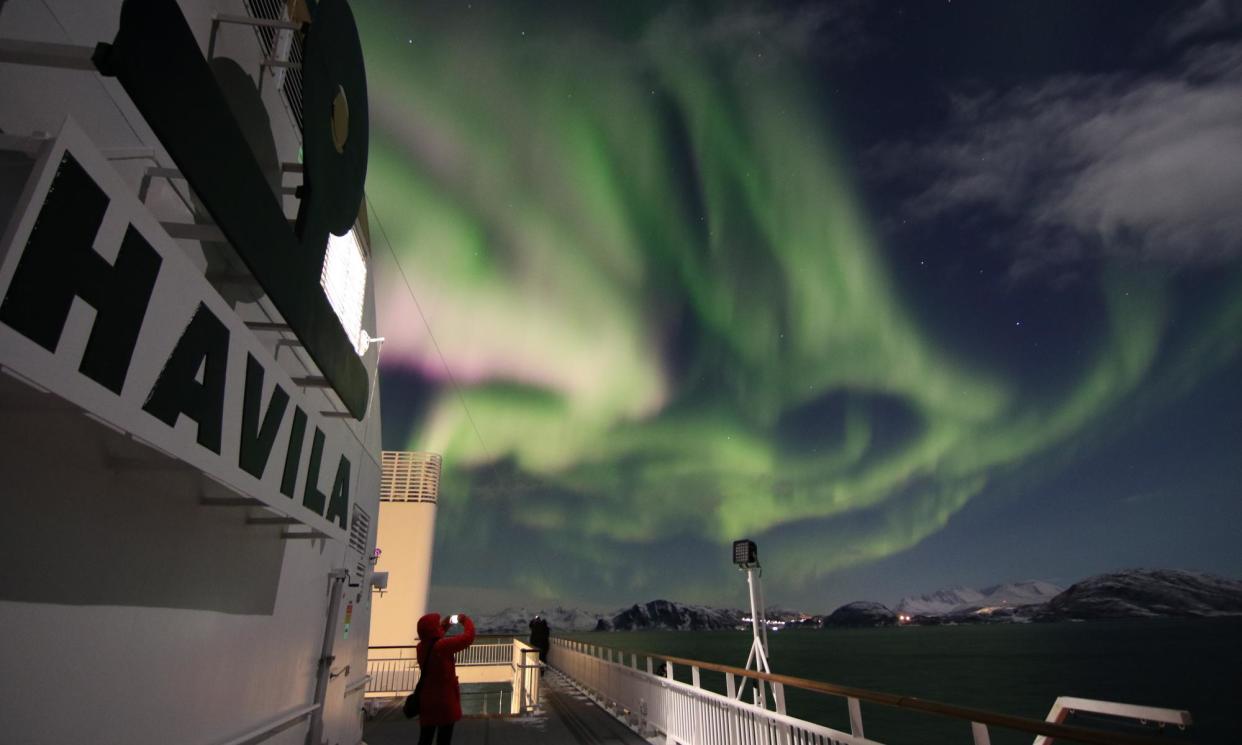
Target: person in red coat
column 440, row 698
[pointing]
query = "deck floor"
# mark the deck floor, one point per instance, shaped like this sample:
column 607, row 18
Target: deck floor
column 566, row 717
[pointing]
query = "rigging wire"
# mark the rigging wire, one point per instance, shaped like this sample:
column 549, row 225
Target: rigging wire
column 431, row 334
column 542, row 560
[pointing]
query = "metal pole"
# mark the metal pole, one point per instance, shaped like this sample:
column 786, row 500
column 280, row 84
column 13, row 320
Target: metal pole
column 521, row 681
column 758, row 651
column 314, row 733
column 754, row 613
column 763, row 624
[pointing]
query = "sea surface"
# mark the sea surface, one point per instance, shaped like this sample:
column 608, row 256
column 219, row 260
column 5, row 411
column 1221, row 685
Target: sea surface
column 1015, row 669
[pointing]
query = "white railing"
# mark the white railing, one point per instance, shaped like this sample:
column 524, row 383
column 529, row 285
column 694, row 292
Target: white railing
column 485, row 654
column 526, row 677
column 1067, row 705
column 392, row 674
column 395, row 669
column 685, row 713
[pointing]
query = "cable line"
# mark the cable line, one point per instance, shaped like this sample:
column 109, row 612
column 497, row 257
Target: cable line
column 431, row 334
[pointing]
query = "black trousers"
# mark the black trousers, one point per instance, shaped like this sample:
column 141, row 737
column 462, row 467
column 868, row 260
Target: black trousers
column 441, row 734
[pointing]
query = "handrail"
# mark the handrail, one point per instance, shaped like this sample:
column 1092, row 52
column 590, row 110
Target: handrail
column 686, row 713
column 272, row 727
column 357, row 685
column 478, row 639
column 1008, row 721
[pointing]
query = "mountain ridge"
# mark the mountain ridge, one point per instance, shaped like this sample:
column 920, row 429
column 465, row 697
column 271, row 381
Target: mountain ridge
column 959, row 599
column 1129, row 593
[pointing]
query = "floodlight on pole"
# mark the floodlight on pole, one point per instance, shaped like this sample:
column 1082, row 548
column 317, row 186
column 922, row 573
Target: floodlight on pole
column 745, row 554
column 746, row 558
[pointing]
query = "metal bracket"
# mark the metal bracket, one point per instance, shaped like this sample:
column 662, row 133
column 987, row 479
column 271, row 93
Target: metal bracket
column 194, row 231
column 229, row 502
column 222, row 18
column 293, row 535
column 312, row 381
column 279, row 520
column 267, row 326
column 30, row 146
column 45, row 54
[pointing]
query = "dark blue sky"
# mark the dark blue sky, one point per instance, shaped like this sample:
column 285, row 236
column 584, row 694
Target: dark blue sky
column 913, row 294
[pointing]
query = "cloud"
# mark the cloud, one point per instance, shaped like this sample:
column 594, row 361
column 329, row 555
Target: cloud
column 1208, row 18
column 1142, row 167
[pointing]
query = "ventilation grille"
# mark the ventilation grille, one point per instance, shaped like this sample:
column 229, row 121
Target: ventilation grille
column 274, row 42
column 359, row 537
column 410, row 477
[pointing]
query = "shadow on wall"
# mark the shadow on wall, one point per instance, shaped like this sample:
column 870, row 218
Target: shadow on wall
column 246, row 103
column 91, row 517
column 15, row 168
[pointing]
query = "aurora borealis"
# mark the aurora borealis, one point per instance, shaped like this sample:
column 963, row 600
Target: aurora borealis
column 830, row 277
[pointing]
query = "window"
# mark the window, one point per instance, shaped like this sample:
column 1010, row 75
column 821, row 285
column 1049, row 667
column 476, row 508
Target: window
column 344, row 281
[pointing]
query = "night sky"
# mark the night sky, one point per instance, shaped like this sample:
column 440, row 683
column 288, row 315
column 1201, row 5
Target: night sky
column 912, row 294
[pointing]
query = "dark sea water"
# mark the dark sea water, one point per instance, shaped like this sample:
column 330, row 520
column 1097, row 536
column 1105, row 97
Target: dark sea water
column 1015, row 669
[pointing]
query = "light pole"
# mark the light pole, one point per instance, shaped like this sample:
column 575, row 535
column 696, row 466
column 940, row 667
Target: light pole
column 746, row 557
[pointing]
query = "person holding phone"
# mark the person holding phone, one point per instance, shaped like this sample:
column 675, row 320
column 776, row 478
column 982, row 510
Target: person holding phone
column 440, row 699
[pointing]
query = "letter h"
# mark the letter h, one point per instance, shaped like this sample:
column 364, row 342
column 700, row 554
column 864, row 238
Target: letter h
column 59, row 264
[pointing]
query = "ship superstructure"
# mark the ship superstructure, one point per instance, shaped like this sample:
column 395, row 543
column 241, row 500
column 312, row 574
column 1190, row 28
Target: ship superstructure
column 188, row 403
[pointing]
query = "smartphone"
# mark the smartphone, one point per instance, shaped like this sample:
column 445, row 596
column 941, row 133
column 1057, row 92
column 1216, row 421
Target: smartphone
column 453, row 618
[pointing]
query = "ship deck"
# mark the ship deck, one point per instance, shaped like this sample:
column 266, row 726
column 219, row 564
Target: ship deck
column 565, row 717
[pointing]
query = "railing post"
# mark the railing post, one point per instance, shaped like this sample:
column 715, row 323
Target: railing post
column 856, row 725
column 694, row 676
column 521, row 675
column 980, row 733
column 650, row 666
column 730, row 685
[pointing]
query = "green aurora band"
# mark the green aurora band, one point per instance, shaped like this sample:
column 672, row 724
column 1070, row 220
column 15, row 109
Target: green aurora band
column 638, row 260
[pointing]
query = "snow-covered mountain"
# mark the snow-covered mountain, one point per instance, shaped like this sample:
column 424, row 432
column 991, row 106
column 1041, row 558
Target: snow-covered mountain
column 1139, row 593
column 964, row 600
column 1128, row 594
column 664, row 614
column 517, row 620
column 656, row 614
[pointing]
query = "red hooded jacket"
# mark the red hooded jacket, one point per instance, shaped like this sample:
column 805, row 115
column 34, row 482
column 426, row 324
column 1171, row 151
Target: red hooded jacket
column 440, row 700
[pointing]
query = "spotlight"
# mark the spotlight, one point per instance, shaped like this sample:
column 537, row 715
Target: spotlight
column 745, row 554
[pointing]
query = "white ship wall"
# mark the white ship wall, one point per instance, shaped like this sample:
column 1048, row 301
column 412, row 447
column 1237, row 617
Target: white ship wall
column 132, row 612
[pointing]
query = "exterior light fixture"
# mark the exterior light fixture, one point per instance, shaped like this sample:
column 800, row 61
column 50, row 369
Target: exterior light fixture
column 745, row 554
